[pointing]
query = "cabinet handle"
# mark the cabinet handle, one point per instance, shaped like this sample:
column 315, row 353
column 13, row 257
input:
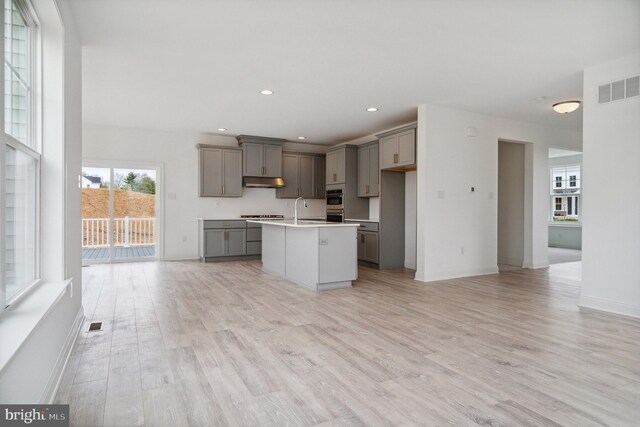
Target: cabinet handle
column 226, row 235
column 395, row 158
column 367, row 188
column 335, row 177
column 362, row 238
column 264, row 170
column 223, row 189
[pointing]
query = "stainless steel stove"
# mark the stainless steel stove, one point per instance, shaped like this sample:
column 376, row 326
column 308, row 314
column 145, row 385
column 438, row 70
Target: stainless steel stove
column 263, row 216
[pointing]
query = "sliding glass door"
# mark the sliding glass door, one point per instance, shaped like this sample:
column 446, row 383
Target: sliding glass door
column 119, row 219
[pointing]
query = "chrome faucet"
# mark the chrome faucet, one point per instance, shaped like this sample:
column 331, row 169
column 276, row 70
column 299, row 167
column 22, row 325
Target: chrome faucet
column 295, row 209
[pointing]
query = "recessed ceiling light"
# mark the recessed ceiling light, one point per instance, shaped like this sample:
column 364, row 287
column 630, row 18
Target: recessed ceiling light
column 372, row 109
column 222, row 129
column 302, row 137
column 566, row 107
column 266, row 92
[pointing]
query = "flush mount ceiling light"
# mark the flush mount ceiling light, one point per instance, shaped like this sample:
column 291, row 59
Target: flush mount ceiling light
column 302, row 137
column 266, row 92
column 222, row 129
column 566, row 107
column 372, row 109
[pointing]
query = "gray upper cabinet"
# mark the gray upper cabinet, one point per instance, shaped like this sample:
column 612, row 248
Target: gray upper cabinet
column 368, row 170
column 301, row 173
column 290, row 177
column 336, row 166
column 262, row 160
column 320, row 177
column 306, row 177
column 220, row 171
column 261, row 156
column 398, row 148
column 273, row 161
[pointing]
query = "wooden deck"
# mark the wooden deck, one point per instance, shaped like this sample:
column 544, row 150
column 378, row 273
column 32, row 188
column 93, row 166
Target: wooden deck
column 120, row 252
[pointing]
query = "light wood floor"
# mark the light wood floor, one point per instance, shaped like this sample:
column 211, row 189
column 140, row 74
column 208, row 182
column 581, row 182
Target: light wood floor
column 187, row 343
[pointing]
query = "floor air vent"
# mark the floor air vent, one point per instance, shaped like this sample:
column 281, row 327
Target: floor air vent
column 95, row 326
column 621, row 89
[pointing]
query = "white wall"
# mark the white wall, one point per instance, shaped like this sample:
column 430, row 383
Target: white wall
column 179, row 157
column 511, row 190
column 33, row 373
column 610, row 237
column 457, row 229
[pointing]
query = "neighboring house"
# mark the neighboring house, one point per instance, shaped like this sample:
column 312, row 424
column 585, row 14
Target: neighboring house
column 91, row 181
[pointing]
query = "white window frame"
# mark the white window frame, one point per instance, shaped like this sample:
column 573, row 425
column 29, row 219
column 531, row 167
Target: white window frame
column 35, row 139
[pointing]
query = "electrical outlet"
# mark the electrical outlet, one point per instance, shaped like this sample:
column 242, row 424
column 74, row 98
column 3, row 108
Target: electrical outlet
column 440, row 194
column 324, row 242
column 184, row 239
column 461, row 250
column 217, row 203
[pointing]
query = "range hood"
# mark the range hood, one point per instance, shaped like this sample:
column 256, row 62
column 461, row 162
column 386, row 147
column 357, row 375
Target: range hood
column 262, row 182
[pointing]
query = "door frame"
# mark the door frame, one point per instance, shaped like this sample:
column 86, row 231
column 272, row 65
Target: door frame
column 128, row 164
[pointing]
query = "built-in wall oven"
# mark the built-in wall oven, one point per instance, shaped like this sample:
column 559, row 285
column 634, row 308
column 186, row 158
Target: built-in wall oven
column 335, row 207
column 335, row 215
column 334, row 199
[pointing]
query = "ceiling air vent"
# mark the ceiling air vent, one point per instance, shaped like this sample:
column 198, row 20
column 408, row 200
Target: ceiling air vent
column 620, row 89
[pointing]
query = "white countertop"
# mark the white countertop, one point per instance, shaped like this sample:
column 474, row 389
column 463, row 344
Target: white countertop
column 236, row 218
column 302, row 223
column 362, row 220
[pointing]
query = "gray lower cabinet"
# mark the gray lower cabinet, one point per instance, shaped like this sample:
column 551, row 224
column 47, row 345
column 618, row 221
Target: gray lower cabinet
column 214, row 243
column 368, row 170
column 224, row 242
column 398, row 148
column 221, row 239
column 254, row 239
column 368, row 241
column 301, row 173
column 368, row 246
column 236, row 242
column 220, row 171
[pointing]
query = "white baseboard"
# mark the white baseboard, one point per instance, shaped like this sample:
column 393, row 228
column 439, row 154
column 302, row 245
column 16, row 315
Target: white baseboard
column 535, row 264
column 609, row 306
column 63, row 359
column 455, row 274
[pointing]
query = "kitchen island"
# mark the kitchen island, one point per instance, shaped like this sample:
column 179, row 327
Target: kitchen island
column 316, row 255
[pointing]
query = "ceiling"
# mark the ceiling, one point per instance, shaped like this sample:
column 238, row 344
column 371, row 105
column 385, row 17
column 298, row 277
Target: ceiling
column 197, row 65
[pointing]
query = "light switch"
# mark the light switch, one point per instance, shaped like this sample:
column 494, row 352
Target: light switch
column 440, row 194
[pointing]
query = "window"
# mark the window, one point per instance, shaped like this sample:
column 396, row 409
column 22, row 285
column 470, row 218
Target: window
column 565, row 193
column 558, row 182
column 21, row 157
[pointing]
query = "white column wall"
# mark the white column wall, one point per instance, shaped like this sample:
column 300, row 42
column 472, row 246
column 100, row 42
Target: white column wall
column 611, row 200
column 457, row 234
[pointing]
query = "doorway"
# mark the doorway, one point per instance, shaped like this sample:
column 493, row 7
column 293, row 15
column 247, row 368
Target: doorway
column 565, row 206
column 119, row 214
column 511, row 204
